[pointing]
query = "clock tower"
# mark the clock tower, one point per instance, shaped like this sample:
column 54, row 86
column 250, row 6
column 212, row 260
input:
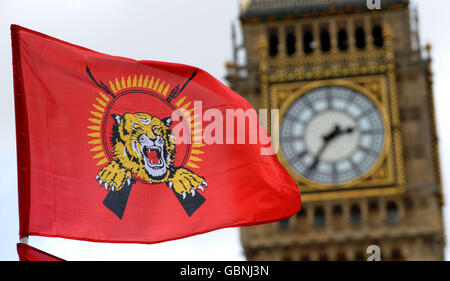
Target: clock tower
column 354, row 126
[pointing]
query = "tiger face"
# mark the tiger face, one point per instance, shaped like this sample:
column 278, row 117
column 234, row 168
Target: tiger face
column 144, row 145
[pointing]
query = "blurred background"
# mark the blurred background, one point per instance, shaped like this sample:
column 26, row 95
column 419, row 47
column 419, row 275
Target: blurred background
column 253, row 46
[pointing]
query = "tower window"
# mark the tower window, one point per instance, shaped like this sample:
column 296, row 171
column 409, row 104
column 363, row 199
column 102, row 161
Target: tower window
column 374, row 214
column 337, row 212
column 305, row 258
column 301, row 214
column 396, row 255
column 273, row 42
column 377, row 35
column 392, row 213
column 308, row 42
column 355, row 215
column 360, row 38
column 341, row 256
column 319, row 217
column 342, row 39
column 373, row 207
column 284, row 224
column 290, row 42
column 325, row 43
column 359, row 256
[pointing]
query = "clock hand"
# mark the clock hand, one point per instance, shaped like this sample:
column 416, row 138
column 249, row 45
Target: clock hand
column 326, row 141
column 316, row 158
column 349, row 130
column 337, row 131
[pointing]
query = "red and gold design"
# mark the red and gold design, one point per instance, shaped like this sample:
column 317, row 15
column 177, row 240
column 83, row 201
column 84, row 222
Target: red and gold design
column 86, row 119
column 140, row 146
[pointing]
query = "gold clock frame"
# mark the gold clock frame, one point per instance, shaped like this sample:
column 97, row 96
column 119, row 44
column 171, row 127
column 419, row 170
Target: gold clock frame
column 386, row 176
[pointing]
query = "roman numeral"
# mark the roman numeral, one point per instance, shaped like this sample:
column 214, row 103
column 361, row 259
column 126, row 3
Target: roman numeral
column 366, row 112
column 309, row 105
column 372, row 132
column 355, row 167
column 289, row 139
column 368, row 151
column 349, row 100
column 329, row 97
column 292, row 118
column 334, row 174
column 297, row 157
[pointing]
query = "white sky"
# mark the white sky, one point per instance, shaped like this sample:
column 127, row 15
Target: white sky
column 195, row 32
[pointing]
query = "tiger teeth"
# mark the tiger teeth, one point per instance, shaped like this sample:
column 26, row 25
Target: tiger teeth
column 152, row 163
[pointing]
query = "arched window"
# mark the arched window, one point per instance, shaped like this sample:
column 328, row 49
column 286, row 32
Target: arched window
column 308, row 42
column 305, row 258
column 319, row 217
column 337, row 215
column 374, row 213
column 377, row 34
column 273, row 42
column 301, row 213
column 392, row 213
column 290, row 42
column 341, row 256
column 396, row 255
column 284, row 224
column 342, row 39
column 302, row 219
column 359, row 256
column 373, row 207
column 325, row 43
column 355, row 215
column 337, row 211
column 360, row 38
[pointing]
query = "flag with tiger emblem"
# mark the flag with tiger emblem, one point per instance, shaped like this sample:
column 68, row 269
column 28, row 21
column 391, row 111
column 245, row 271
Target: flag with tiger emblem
column 112, row 149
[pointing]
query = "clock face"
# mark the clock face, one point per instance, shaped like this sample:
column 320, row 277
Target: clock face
column 332, row 135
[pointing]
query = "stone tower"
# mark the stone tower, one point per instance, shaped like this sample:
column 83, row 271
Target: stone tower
column 356, row 127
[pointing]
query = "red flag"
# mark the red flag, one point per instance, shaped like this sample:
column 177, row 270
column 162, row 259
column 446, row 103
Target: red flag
column 112, row 149
column 28, row 253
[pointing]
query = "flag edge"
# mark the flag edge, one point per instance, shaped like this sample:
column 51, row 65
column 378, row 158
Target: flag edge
column 25, row 246
column 22, row 141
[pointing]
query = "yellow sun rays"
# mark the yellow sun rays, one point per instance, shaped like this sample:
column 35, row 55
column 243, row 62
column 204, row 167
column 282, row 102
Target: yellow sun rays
column 95, row 128
column 153, row 83
column 196, row 132
column 156, row 85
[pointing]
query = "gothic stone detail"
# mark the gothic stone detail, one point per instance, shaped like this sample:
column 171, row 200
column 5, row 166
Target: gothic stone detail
column 293, row 45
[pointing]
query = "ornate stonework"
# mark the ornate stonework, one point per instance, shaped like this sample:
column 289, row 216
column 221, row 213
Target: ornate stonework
column 292, row 46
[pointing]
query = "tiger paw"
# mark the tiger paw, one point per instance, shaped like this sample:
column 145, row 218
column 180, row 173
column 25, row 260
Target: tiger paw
column 186, row 182
column 113, row 176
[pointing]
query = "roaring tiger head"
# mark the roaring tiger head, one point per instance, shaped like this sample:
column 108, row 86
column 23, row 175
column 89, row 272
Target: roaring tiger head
column 144, row 145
